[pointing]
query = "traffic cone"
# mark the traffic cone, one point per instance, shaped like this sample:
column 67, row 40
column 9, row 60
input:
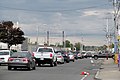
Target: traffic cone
column 85, row 73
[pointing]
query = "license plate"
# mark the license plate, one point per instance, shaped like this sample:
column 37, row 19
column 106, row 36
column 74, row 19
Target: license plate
column 42, row 58
column 17, row 60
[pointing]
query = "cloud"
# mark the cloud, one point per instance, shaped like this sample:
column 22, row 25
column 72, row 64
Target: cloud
column 89, row 22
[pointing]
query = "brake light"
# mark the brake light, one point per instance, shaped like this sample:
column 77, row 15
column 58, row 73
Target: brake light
column 25, row 60
column 51, row 55
column 33, row 54
column 10, row 59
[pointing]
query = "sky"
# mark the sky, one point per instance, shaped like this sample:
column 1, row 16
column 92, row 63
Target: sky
column 82, row 21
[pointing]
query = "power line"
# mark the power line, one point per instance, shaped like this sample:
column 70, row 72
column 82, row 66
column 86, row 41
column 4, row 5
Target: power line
column 63, row 10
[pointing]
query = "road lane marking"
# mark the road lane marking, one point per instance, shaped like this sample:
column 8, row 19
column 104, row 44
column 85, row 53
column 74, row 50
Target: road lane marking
column 84, row 77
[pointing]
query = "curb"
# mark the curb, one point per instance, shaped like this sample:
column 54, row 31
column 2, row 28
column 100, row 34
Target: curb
column 96, row 75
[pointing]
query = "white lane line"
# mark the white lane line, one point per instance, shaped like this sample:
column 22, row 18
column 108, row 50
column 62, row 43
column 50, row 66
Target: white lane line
column 84, row 77
column 96, row 76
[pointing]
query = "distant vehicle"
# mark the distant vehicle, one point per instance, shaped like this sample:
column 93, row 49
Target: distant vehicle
column 23, row 59
column 66, row 56
column 60, row 58
column 83, row 53
column 105, row 54
column 80, row 56
column 4, row 55
column 88, row 54
column 45, row 55
column 71, row 55
column 76, row 55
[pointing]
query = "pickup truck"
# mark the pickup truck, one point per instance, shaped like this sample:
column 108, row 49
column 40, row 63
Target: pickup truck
column 45, row 55
column 103, row 55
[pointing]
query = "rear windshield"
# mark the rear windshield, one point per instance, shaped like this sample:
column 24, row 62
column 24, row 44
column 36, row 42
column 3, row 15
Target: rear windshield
column 20, row 54
column 45, row 50
column 4, row 53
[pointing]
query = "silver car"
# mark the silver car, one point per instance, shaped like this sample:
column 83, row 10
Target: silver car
column 60, row 58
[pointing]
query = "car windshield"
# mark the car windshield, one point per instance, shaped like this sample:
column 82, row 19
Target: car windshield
column 45, row 50
column 4, row 53
column 19, row 54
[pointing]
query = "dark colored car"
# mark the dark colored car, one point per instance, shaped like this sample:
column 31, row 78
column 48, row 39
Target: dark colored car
column 66, row 56
column 76, row 55
column 23, row 59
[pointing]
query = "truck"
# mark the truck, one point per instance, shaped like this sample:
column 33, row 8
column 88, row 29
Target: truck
column 45, row 55
column 104, row 54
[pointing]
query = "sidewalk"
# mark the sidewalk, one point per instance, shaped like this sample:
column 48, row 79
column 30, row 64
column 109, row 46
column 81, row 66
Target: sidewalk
column 109, row 71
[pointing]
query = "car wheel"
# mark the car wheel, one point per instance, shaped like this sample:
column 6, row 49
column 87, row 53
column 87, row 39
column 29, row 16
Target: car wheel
column 29, row 67
column 67, row 61
column 95, row 57
column 55, row 63
column 52, row 64
column 9, row 68
column 73, row 60
column 34, row 68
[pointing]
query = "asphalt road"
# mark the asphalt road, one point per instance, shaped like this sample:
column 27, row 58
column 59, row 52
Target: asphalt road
column 67, row 71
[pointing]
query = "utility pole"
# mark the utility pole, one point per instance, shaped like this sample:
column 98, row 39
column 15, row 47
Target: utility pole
column 48, row 38
column 116, row 5
column 108, row 37
column 37, row 38
column 81, row 49
column 63, row 36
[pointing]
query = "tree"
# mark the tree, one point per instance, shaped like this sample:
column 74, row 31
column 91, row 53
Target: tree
column 77, row 45
column 10, row 35
column 67, row 43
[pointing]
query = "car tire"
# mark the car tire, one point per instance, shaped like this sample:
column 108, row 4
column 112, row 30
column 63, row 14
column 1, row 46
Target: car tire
column 73, row 60
column 95, row 57
column 34, row 68
column 9, row 67
column 52, row 64
column 67, row 61
column 55, row 63
column 29, row 67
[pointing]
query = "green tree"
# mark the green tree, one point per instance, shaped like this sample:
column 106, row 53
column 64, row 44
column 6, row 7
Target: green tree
column 10, row 35
column 67, row 43
column 77, row 45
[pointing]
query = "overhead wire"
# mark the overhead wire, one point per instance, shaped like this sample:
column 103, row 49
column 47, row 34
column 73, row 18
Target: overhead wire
column 60, row 10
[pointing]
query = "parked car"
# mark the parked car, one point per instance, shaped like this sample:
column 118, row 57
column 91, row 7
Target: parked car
column 104, row 54
column 83, row 53
column 88, row 54
column 76, row 55
column 72, row 57
column 45, row 55
column 60, row 58
column 66, row 56
column 80, row 56
column 4, row 55
column 23, row 59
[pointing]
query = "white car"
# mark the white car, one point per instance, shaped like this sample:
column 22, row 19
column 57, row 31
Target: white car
column 72, row 57
column 60, row 58
column 4, row 55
